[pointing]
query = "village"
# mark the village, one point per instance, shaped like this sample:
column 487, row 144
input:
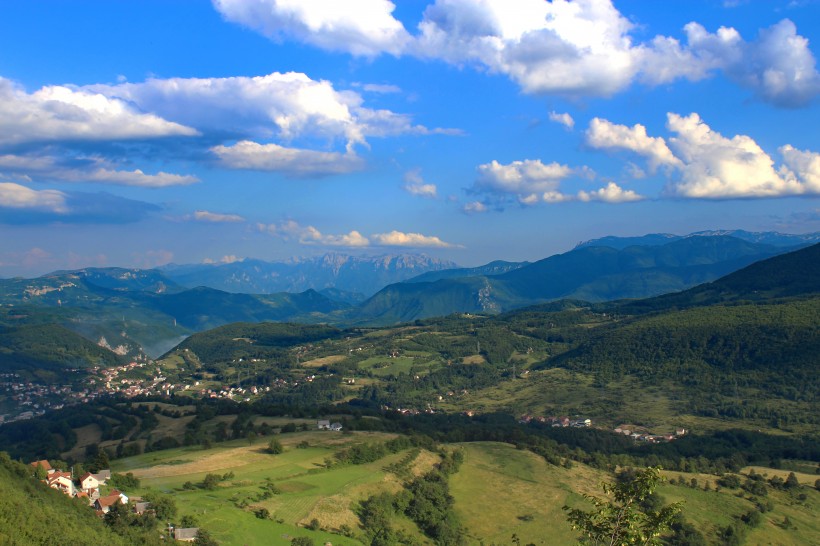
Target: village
column 88, row 488
column 26, row 399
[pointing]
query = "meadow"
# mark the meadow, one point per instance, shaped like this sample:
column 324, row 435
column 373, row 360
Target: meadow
column 501, row 493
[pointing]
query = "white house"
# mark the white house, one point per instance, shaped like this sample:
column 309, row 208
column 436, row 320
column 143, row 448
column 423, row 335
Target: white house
column 62, row 481
column 89, row 481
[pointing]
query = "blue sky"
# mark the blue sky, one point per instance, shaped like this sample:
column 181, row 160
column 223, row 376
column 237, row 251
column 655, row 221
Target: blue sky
column 137, row 133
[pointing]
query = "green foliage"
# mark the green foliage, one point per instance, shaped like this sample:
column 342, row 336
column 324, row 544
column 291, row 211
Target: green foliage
column 211, row 481
column 164, row 506
column 275, row 447
column 302, row 541
column 34, row 350
column 32, row 513
column 125, row 482
column 622, row 520
column 203, row 538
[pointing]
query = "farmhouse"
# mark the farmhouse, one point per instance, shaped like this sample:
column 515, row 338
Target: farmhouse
column 323, row 424
column 89, row 481
column 187, row 534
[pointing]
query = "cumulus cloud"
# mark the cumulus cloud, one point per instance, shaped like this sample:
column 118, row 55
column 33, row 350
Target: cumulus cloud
column 802, row 165
column 309, row 235
column 521, row 177
column 16, row 196
column 586, row 47
column 717, row 167
column 565, row 47
column 286, row 106
column 778, row 66
column 58, row 113
column 607, row 135
column 611, row 193
column 529, row 182
column 360, row 27
column 416, row 240
column 87, row 169
column 560, row 47
column 292, row 230
column 216, row 217
column 704, row 164
column 564, row 119
column 415, row 185
column 292, row 162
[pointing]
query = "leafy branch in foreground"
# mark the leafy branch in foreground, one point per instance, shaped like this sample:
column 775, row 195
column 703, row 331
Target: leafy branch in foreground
column 622, row 520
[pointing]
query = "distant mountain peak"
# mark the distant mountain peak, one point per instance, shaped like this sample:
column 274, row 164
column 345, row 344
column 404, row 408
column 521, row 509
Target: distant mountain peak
column 773, row 238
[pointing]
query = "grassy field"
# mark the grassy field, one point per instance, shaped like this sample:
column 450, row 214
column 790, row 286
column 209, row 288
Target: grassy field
column 499, row 491
column 308, row 490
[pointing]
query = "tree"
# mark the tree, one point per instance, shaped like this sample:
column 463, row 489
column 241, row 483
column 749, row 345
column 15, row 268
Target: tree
column 275, row 447
column 203, row 538
column 620, row 521
column 211, row 481
column 791, row 481
column 302, row 541
column 164, row 506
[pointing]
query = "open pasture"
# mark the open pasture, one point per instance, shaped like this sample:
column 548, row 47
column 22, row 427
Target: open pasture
column 307, row 489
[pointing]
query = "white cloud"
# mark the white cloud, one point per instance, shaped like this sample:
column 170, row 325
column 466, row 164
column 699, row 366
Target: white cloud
column 475, row 207
column 57, row 113
column 555, row 197
column 293, row 162
column 560, row 47
column 611, row 193
column 803, row 165
column 216, row 217
column 521, row 177
column 608, row 135
column 291, row 230
column 716, row 167
column 704, row 164
column 15, row 196
column 380, row 88
column 309, row 235
column 565, row 47
column 286, row 106
column 778, row 66
column 414, row 184
column 228, row 259
column 586, row 47
column 416, row 240
column 88, row 169
column 564, row 119
column 360, row 27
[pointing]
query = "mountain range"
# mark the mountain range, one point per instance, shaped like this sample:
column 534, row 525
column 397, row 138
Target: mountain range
column 133, row 311
column 355, row 275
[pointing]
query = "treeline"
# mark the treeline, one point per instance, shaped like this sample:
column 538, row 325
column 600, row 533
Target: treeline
column 717, row 452
column 265, row 340
column 426, row 500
